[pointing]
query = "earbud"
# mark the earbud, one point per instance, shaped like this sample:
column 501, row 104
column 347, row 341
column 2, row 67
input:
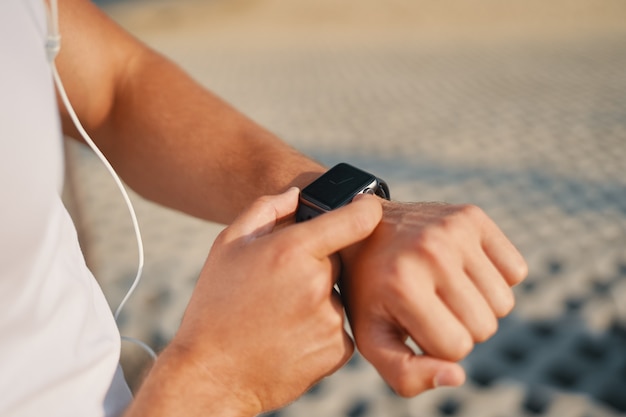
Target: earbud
column 53, row 42
column 53, row 46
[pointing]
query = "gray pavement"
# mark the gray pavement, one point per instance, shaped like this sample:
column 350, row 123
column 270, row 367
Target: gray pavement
column 520, row 109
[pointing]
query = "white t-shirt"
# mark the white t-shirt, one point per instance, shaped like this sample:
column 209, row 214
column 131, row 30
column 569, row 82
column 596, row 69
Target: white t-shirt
column 59, row 345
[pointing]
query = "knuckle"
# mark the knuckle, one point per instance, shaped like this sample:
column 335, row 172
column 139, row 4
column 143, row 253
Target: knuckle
column 520, row 271
column 319, row 291
column 225, row 236
column 284, row 255
column 431, row 241
column 334, row 320
column 434, row 248
column 472, row 212
column 330, row 324
column 396, row 284
column 505, row 305
column 466, row 217
column 336, row 323
column 348, row 350
column 461, row 348
column 450, row 229
column 486, row 331
column 341, row 353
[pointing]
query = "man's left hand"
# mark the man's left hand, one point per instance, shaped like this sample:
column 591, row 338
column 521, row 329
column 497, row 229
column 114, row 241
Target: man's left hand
column 440, row 274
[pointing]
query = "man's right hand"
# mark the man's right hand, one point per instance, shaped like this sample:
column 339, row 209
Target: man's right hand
column 263, row 324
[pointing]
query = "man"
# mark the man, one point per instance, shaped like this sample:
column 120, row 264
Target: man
column 263, row 323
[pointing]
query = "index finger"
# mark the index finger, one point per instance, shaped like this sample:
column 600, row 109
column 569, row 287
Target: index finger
column 337, row 229
column 264, row 213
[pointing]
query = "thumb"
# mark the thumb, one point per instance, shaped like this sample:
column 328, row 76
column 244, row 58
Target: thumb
column 409, row 374
column 337, row 229
column 260, row 218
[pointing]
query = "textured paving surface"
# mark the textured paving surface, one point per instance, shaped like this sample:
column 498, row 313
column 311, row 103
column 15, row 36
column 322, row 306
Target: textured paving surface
column 530, row 125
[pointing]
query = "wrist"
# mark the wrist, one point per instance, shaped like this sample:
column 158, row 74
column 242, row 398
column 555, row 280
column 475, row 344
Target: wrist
column 337, row 187
column 305, row 178
column 180, row 383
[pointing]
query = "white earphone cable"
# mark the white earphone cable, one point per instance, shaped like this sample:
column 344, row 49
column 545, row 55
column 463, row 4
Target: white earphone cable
column 116, row 178
column 52, row 47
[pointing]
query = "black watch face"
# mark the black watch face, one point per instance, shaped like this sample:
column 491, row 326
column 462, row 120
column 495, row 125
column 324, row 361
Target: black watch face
column 338, row 186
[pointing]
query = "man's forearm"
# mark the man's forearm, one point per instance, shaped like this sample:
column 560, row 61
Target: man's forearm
column 176, row 386
column 178, row 144
column 170, row 139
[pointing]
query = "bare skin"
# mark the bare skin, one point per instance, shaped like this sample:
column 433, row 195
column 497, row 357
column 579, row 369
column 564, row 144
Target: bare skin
column 263, row 323
column 438, row 273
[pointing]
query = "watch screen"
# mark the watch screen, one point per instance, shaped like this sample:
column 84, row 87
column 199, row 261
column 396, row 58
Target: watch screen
column 338, row 186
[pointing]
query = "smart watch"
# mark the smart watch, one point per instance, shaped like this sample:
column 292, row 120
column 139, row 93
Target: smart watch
column 336, row 188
